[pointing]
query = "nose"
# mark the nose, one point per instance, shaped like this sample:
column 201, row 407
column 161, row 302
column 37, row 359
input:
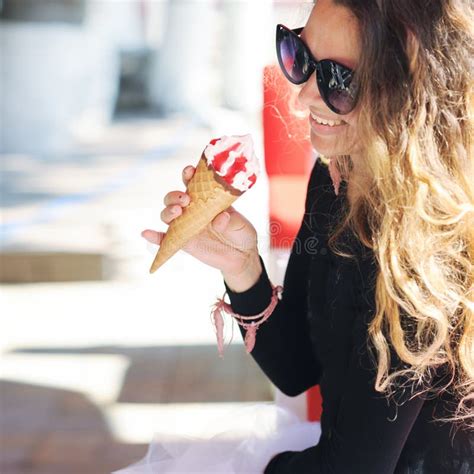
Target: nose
column 309, row 95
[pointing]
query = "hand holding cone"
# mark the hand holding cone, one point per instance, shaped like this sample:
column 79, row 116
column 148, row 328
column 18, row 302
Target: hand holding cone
column 227, row 168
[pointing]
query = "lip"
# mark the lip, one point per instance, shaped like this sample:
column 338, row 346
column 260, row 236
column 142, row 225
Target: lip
column 321, row 129
column 322, row 116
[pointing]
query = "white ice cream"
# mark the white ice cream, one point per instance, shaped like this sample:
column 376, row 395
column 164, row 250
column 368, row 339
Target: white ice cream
column 234, row 159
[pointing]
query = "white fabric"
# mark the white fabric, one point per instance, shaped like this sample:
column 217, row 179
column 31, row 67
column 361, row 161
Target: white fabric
column 231, row 450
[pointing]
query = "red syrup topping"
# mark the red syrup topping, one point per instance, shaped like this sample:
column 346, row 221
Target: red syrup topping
column 252, row 179
column 221, row 157
column 239, row 165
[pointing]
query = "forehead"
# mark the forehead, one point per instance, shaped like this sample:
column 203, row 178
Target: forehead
column 332, row 32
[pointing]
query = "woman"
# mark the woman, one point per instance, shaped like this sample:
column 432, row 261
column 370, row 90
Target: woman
column 377, row 304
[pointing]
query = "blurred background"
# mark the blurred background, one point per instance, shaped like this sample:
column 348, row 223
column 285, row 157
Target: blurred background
column 102, row 104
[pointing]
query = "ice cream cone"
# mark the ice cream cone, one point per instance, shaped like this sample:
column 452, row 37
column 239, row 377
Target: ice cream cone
column 209, row 195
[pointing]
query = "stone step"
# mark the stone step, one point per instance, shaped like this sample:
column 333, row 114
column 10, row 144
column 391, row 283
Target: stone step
column 40, row 266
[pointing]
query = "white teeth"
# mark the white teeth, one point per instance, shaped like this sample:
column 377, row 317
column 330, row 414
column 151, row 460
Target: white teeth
column 331, row 123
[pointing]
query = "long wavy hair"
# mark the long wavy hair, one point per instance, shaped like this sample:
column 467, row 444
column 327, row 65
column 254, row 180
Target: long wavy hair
column 416, row 97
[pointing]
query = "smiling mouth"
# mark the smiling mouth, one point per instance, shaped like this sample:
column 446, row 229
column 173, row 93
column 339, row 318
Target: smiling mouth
column 330, row 123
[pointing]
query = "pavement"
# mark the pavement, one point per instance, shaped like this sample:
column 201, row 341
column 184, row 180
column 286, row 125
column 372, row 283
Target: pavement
column 91, row 369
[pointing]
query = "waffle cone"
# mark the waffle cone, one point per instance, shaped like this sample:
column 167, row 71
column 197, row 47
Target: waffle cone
column 209, row 197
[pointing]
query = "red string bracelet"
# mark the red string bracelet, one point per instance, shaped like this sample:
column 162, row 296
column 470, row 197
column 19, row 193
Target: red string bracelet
column 221, row 307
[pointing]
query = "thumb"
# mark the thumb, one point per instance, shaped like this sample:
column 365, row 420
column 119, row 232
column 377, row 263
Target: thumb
column 219, row 223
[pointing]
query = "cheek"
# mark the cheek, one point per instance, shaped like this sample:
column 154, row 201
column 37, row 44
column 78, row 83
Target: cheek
column 352, row 129
column 352, row 118
column 350, row 137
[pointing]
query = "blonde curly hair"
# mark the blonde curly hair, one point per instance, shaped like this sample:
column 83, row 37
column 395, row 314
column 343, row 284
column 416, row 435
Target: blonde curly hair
column 416, row 99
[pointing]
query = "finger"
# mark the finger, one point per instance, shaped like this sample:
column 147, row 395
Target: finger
column 235, row 225
column 153, row 236
column 170, row 212
column 235, row 222
column 176, row 197
column 188, row 173
column 220, row 222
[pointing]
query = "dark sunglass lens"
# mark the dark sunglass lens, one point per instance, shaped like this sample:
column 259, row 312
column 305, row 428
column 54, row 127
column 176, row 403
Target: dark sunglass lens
column 293, row 57
column 337, row 86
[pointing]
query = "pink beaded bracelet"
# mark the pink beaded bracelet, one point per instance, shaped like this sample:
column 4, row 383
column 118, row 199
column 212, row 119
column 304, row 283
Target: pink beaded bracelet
column 221, row 307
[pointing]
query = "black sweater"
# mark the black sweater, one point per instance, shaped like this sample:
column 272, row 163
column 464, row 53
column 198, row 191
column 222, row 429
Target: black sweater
column 317, row 334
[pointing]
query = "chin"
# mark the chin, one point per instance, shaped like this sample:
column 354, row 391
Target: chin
column 327, row 147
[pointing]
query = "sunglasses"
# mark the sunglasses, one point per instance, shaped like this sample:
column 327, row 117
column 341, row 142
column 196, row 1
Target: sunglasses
column 334, row 80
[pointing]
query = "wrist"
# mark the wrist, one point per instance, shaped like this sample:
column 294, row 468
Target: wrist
column 247, row 277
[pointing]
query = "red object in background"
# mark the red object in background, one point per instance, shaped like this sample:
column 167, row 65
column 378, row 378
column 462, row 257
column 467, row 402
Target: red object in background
column 288, row 162
column 288, row 158
column 286, row 151
column 314, row 406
